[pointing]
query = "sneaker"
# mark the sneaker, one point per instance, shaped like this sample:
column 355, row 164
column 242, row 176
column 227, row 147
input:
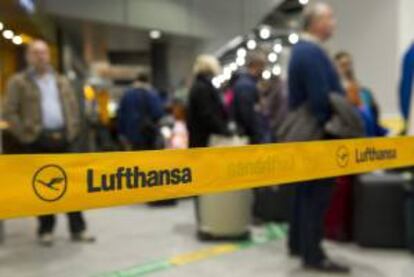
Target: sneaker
column 328, row 266
column 46, row 240
column 83, row 237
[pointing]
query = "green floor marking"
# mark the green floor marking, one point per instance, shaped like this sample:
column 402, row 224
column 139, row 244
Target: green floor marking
column 273, row 232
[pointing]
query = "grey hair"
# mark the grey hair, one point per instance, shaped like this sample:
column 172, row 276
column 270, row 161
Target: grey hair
column 312, row 12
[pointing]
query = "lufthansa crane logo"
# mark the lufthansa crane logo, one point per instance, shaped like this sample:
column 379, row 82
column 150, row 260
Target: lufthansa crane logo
column 343, row 156
column 50, row 183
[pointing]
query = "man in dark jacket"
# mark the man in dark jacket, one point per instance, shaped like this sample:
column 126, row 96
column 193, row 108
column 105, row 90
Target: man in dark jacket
column 246, row 98
column 312, row 77
column 138, row 115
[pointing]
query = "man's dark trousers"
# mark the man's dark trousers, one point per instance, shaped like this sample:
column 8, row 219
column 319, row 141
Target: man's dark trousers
column 306, row 225
column 53, row 142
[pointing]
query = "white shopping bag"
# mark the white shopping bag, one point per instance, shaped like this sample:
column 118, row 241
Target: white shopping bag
column 224, row 141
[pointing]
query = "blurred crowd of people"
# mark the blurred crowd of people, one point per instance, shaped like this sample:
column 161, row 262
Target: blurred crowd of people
column 43, row 117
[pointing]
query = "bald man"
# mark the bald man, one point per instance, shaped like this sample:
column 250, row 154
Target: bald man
column 312, row 77
column 43, row 114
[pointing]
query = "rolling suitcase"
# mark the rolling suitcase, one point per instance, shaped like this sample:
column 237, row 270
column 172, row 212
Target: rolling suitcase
column 225, row 216
column 338, row 218
column 273, row 204
column 379, row 217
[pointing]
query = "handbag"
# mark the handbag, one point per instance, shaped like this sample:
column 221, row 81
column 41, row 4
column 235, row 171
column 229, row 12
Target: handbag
column 302, row 125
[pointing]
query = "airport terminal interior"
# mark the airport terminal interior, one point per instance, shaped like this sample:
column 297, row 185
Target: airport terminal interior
column 206, row 138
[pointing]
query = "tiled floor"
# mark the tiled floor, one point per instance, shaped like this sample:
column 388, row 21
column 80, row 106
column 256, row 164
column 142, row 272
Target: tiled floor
column 132, row 236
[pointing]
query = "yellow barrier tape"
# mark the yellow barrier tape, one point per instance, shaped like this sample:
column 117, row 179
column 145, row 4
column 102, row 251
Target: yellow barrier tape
column 45, row 184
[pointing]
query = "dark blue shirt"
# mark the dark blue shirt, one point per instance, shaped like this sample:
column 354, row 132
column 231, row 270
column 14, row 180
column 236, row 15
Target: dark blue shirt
column 406, row 85
column 245, row 99
column 312, row 76
column 133, row 105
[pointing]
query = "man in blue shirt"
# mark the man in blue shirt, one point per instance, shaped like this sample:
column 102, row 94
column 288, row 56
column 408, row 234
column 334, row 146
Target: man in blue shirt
column 312, row 77
column 246, row 98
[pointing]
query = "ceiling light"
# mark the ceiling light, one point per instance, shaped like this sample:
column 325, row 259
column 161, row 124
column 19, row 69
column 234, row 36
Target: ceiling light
column 112, row 107
column 233, row 66
column 227, row 70
column 241, row 52
column 266, row 74
column 216, row 82
column 222, row 79
column 1, row 26
column 8, row 34
column 251, row 44
column 227, row 76
column 155, row 34
column 240, row 61
column 265, row 33
column 17, row 40
column 293, row 38
column 303, row 2
column 272, row 57
column 277, row 70
column 278, row 48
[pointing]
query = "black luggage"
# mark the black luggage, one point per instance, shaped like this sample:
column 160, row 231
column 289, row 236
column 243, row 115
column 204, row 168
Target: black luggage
column 163, row 203
column 273, row 204
column 379, row 217
column 409, row 216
